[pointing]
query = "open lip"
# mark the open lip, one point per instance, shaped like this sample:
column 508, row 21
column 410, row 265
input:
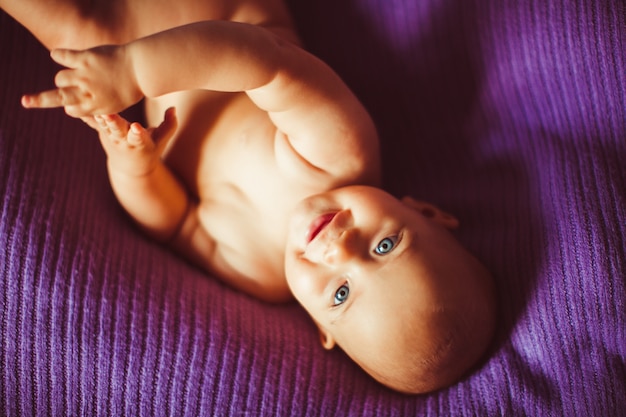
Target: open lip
column 318, row 225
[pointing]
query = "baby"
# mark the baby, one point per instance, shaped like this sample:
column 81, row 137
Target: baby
column 263, row 170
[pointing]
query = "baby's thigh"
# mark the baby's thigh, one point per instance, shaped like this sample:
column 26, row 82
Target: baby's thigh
column 122, row 21
column 76, row 24
column 81, row 24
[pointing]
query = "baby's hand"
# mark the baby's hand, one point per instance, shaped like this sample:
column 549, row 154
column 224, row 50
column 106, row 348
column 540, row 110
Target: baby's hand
column 131, row 149
column 100, row 80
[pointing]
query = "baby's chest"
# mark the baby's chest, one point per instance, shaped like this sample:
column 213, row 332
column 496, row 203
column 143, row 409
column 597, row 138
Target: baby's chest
column 245, row 195
column 251, row 156
column 227, row 139
column 247, row 217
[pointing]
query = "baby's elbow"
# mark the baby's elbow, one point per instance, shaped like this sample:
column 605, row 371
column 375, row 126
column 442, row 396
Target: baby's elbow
column 364, row 168
column 363, row 164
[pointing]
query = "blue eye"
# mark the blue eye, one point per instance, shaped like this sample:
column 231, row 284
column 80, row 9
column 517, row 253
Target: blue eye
column 341, row 295
column 386, row 245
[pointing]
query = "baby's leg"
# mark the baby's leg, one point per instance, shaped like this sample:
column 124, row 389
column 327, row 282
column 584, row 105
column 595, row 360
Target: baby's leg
column 76, row 24
column 82, row 24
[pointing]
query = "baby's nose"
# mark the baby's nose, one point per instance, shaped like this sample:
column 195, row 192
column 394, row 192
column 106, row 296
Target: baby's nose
column 346, row 247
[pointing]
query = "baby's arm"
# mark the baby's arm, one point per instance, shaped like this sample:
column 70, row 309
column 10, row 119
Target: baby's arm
column 145, row 187
column 317, row 113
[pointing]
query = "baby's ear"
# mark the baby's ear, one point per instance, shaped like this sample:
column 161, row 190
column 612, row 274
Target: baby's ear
column 432, row 212
column 328, row 341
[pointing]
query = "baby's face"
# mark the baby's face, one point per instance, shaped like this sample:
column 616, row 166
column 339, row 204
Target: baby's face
column 389, row 284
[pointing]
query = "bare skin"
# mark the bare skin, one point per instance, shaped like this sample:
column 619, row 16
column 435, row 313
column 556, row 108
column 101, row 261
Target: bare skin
column 256, row 142
column 246, row 122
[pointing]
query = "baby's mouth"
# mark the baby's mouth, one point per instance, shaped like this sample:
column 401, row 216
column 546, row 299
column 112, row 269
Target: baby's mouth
column 318, row 225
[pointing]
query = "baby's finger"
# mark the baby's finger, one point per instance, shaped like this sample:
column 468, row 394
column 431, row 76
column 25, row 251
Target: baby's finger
column 90, row 121
column 116, row 124
column 59, row 97
column 101, row 124
column 76, row 110
column 165, row 131
column 44, row 100
column 138, row 135
column 65, row 78
column 66, row 57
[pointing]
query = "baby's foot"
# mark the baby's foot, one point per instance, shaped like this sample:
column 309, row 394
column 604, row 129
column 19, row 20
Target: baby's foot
column 131, row 149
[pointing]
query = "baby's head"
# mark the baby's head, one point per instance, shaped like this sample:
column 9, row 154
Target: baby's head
column 385, row 280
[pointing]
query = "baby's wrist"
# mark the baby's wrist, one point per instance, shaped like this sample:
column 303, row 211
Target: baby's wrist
column 125, row 170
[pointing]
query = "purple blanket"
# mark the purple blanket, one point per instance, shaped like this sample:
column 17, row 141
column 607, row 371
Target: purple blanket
column 511, row 115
